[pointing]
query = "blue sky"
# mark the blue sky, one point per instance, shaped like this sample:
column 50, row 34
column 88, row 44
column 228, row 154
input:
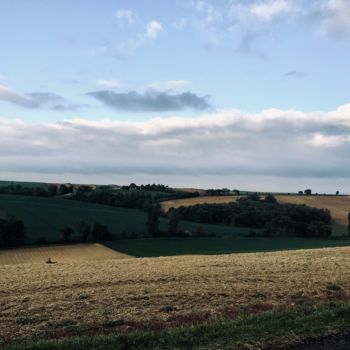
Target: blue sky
column 184, row 65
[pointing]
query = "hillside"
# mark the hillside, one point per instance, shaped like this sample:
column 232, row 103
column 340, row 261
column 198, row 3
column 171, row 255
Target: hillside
column 338, row 205
column 64, row 298
column 45, row 217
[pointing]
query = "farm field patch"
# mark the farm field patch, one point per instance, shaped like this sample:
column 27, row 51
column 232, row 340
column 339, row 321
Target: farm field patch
column 58, row 254
column 338, row 205
column 154, row 247
column 125, row 294
column 166, row 205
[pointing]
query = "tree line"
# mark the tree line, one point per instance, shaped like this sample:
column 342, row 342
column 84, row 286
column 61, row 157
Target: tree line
column 267, row 214
column 12, row 231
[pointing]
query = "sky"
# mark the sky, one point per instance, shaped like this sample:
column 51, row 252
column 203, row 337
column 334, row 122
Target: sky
column 247, row 94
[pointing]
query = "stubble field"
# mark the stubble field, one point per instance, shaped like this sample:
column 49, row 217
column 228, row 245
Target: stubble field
column 69, row 297
column 58, row 254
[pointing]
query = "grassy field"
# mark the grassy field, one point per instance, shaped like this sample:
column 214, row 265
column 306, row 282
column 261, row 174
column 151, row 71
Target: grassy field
column 45, row 217
column 153, row 247
column 58, row 254
column 155, row 293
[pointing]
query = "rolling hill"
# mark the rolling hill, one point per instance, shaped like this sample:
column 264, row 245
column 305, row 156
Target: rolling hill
column 45, row 217
column 338, row 205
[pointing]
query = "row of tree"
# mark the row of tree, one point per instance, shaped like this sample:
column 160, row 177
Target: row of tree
column 252, row 211
column 86, row 232
column 141, row 199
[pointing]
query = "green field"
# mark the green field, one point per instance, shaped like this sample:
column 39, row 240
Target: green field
column 45, row 217
column 153, row 247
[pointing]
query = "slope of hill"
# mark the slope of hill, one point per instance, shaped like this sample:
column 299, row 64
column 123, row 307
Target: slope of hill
column 58, row 254
column 338, row 205
column 65, row 298
column 166, row 205
column 45, row 217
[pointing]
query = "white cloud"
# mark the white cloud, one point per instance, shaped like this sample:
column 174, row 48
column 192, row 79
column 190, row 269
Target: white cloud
column 110, row 83
column 334, row 18
column 125, row 16
column 153, row 29
column 267, row 11
column 279, row 144
column 167, row 85
column 321, row 140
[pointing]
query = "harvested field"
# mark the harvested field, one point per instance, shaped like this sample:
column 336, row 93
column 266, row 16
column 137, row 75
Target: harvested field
column 59, row 254
column 54, row 300
column 166, row 205
column 338, row 205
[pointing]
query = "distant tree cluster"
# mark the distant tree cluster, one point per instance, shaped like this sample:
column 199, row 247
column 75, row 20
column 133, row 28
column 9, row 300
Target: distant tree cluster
column 251, row 211
column 42, row 191
column 149, row 187
column 12, row 231
column 138, row 199
column 218, row 192
column 24, row 191
column 306, row 192
column 86, row 232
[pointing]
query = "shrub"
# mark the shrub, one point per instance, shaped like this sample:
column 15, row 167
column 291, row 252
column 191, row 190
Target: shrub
column 318, row 229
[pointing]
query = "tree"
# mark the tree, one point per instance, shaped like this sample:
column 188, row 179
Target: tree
column 65, row 189
column 84, row 229
column 100, row 232
column 318, row 229
column 173, row 223
column 337, row 193
column 66, row 233
column 300, row 193
column 12, row 231
column 349, row 224
column 200, row 231
column 270, row 198
column 308, row 191
column 153, row 221
column 52, row 188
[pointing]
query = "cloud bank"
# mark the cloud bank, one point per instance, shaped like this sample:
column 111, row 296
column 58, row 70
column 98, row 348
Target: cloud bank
column 36, row 100
column 282, row 144
column 243, row 22
column 151, row 100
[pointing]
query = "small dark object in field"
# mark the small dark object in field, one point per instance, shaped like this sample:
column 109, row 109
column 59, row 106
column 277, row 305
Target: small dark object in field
column 169, row 308
column 50, row 261
column 333, row 287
